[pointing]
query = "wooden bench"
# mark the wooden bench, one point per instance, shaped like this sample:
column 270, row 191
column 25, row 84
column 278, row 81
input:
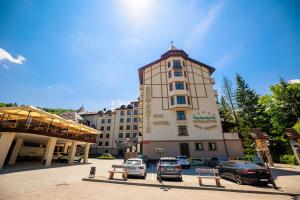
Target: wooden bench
column 118, row 169
column 209, row 174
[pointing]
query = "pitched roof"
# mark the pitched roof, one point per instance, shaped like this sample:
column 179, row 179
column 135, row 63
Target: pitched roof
column 170, row 53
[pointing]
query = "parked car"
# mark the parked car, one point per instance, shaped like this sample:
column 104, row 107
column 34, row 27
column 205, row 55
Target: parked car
column 144, row 158
column 184, row 161
column 215, row 161
column 136, row 167
column 243, row 172
column 56, row 156
column 31, row 153
column 169, row 168
column 65, row 157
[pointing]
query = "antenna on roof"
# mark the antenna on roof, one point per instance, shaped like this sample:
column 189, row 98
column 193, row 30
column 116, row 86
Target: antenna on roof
column 172, row 43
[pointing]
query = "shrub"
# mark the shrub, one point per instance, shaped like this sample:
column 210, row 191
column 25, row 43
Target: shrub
column 288, row 159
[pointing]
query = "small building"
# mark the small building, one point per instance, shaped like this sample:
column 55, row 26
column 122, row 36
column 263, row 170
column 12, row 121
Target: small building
column 44, row 133
column 178, row 109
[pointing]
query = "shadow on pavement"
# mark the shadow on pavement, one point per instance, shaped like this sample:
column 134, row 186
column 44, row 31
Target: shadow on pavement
column 33, row 165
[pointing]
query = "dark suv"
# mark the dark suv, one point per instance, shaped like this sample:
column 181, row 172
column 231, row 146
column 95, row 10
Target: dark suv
column 169, row 168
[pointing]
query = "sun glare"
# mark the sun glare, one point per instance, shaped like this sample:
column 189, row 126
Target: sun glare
column 136, row 10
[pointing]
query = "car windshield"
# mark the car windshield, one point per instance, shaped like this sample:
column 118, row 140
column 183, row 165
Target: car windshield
column 133, row 162
column 250, row 165
column 168, row 162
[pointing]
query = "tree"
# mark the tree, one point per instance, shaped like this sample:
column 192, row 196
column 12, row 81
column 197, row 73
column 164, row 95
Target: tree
column 228, row 93
column 246, row 101
column 297, row 126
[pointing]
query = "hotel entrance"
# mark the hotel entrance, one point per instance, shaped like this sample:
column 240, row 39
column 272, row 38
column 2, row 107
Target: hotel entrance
column 184, row 149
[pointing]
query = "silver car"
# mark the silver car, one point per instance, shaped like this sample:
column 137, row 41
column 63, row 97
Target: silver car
column 169, row 167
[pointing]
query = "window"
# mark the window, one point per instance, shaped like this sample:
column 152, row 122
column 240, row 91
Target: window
column 121, row 120
column 186, row 86
column 135, row 104
column 100, row 143
column 103, row 121
column 128, row 127
column 180, row 99
column 172, row 100
column 182, row 131
column 101, row 136
column 108, row 128
column 179, row 85
column 120, row 135
column 109, row 114
column 212, row 146
column 106, row 143
column 134, row 135
column 180, row 115
column 128, row 119
column 102, row 128
column 183, row 63
column 178, row 73
column 135, row 112
column 128, row 112
column 122, row 113
column 107, row 135
column 109, row 121
column 127, row 135
column 199, row 146
column 135, row 127
column 135, row 119
column 189, row 100
column 106, row 150
column 171, row 86
column 176, row 64
column 170, row 74
column 169, row 64
column 121, row 128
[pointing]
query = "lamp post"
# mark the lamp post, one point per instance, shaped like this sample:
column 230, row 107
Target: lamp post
column 160, row 151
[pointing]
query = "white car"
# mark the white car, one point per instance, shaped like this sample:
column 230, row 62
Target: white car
column 184, row 161
column 136, row 167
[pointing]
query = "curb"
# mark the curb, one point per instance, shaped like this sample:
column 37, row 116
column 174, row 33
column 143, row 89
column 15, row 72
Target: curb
column 188, row 187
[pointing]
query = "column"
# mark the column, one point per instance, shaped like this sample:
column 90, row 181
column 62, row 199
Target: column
column 66, row 146
column 5, row 142
column 72, row 153
column 15, row 152
column 49, row 151
column 86, row 153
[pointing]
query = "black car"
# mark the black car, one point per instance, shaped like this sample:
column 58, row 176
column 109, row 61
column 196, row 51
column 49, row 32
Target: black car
column 215, row 161
column 243, row 172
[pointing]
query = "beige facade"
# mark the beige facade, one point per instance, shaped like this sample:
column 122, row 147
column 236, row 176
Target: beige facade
column 119, row 129
column 178, row 109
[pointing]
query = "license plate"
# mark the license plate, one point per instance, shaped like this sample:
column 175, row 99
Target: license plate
column 264, row 179
column 169, row 169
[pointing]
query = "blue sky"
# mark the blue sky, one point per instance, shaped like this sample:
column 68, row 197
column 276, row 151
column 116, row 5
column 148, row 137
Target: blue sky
column 67, row 53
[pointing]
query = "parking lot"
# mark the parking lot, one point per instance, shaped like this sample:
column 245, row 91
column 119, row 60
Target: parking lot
column 65, row 182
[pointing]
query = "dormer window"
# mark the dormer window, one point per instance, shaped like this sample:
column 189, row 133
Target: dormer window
column 176, row 64
column 179, row 86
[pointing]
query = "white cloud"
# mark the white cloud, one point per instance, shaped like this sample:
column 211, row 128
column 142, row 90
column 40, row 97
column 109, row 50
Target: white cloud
column 203, row 26
column 117, row 103
column 294, row 81
column 5, row 56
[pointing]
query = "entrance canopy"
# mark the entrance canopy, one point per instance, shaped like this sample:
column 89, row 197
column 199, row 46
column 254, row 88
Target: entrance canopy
column 29, row 119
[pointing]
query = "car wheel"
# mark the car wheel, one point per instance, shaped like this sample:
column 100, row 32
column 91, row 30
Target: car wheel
column 239, row 180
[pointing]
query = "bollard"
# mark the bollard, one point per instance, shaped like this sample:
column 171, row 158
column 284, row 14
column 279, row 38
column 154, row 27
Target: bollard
column 92, row 172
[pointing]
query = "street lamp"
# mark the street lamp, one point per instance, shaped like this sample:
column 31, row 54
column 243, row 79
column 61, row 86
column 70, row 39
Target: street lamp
column 160, row 151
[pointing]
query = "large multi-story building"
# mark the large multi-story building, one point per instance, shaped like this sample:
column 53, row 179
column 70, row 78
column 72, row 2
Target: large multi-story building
column 178, row 110
column 119, row 129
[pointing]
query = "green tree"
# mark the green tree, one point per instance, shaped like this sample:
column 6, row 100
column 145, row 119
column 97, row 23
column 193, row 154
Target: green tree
column 297, row 126
column 246, row 101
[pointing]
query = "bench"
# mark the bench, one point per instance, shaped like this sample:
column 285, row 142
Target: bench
column 209, row 174
column 118, row 169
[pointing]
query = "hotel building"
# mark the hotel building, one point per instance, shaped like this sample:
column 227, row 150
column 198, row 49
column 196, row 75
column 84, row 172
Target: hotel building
column 119, row 129
column 178, row 110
